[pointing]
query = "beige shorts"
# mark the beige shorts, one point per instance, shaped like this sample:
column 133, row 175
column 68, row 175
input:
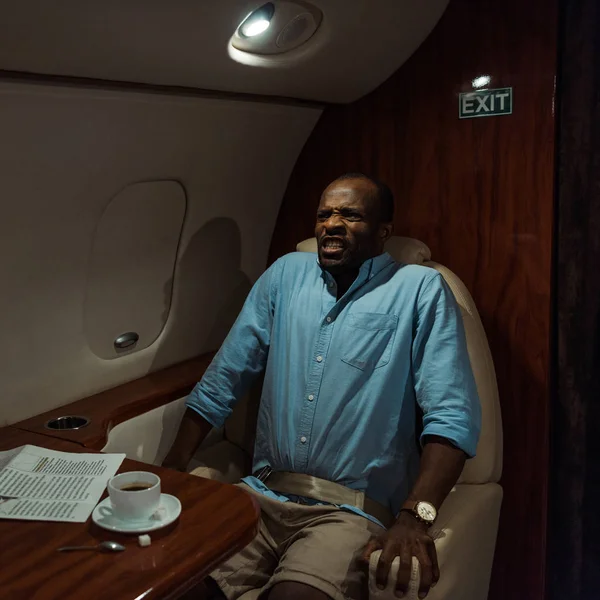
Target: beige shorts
column 315, row 545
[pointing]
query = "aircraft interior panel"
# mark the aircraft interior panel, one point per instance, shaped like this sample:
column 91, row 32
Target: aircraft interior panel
column 72, row 152
column 357, row 45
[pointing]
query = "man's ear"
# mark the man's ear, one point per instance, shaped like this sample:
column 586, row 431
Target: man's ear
column 385, row 231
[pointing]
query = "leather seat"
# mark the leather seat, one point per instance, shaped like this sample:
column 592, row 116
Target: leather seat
column 466, row 529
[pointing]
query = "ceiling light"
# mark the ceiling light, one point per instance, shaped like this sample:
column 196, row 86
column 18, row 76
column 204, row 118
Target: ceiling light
column 275, row 28
column 481, row 81
column 255, row 27
column 257, row 22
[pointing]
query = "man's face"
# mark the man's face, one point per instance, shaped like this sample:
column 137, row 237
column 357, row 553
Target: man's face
column 349, row 228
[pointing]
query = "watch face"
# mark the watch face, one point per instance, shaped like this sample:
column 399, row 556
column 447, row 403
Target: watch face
column 426, row 511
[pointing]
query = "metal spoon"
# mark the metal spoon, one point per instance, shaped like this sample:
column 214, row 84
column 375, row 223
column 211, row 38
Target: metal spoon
column 102, row 547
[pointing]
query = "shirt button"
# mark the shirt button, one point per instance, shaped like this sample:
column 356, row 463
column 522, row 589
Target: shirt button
column 328, row 319
column 303, row 440
column 319, row 358
column 311, row 397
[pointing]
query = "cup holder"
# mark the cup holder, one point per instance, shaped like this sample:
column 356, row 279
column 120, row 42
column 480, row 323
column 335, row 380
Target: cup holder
column 67, row 423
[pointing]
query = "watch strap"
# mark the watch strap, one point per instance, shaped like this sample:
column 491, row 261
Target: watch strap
column 410, row 505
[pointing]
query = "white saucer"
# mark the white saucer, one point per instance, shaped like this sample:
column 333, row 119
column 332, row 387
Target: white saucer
column 104, row 517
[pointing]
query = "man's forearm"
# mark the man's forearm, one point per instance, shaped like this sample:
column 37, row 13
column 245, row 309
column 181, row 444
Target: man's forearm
column 192, row 431
column 441, row 466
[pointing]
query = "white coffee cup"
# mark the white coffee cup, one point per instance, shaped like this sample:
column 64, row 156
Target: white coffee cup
column 134, row 495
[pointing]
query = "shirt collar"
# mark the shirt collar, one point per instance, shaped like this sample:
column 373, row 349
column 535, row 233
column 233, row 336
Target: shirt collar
column 367, row 270
column 374, row 265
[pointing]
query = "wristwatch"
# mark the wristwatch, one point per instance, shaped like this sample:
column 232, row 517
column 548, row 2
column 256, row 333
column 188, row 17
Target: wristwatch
column 422, row 511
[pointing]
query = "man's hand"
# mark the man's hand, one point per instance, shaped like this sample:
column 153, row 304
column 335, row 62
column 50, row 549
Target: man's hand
column 406, row 538
column 441, row 465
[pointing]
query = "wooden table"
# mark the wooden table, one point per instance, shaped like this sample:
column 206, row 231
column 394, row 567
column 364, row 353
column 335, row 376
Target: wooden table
column 217, row 520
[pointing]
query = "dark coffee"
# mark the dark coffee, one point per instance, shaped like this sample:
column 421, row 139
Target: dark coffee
column 135, row 486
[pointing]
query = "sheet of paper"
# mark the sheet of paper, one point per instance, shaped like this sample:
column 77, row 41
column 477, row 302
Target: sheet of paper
column 29, row 509
column 6, row 456
column 47, row 485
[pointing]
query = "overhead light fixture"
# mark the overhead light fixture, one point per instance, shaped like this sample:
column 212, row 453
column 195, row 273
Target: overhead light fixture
column 257, row 22
column 277, row 27
column 481, row 81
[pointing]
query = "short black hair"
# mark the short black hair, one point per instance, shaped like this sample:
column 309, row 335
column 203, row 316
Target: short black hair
column 384, row 194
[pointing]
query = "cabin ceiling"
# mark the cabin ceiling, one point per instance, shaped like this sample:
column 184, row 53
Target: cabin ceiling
column 359, row 44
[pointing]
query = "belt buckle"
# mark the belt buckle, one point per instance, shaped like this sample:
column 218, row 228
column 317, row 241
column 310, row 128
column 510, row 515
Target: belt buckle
column 263, row 474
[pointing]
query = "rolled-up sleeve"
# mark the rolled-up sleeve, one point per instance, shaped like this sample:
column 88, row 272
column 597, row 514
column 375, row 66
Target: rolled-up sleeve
column 444, row 383
column 242, row 356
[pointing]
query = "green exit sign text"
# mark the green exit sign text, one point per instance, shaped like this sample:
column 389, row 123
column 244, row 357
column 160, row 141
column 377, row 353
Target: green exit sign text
column 485, row 103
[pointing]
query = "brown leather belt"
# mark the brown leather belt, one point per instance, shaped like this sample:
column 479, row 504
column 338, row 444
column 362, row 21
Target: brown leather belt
column 308, row 486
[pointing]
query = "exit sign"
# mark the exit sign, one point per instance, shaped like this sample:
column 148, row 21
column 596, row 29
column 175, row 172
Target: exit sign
column 485, row 103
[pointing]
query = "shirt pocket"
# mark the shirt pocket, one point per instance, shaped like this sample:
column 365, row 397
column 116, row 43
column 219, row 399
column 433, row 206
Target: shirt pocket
column 369, row 339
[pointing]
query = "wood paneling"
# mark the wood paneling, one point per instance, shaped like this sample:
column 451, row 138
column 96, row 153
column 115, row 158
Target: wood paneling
column 107, row 409
column 216, row 521
column 574, row 526
column 479, row 192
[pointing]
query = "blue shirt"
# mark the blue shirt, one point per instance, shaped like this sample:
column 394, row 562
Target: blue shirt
column 342, row 376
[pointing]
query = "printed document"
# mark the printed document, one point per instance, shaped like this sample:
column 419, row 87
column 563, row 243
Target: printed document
column 37, row 484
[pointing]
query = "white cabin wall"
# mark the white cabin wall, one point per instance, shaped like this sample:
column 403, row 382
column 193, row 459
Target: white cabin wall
column 65, row 154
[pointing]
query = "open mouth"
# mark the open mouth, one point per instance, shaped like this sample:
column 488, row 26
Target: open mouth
column 332, row 247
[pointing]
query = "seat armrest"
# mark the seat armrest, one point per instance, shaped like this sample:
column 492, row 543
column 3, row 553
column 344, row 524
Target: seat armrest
column 149, row 436
column 465, row 538
column 222, row 461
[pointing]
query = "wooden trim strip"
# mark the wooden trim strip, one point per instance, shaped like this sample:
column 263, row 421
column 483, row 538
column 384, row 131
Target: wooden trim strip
column 107, row 409
column 151, row 88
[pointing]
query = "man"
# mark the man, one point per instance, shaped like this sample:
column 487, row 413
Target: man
column 347, row 344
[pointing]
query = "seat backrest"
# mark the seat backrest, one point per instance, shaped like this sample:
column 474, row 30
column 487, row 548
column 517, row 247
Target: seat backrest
column 486, row 466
